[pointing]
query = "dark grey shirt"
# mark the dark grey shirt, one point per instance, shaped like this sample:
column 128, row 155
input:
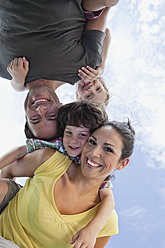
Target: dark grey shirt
column 49, row 33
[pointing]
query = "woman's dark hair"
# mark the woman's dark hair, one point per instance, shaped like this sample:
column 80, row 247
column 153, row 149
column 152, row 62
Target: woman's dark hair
column 127, row 134
column 81, row 113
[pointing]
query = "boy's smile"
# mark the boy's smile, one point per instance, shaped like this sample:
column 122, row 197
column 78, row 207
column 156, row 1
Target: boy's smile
column 74, row 139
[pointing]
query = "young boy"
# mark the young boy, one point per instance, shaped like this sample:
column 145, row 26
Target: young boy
column 76, row 122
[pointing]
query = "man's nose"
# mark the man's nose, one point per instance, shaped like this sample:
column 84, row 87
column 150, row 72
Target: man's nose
column 41, row 109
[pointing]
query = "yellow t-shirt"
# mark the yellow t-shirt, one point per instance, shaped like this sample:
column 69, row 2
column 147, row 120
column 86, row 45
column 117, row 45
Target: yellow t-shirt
column 32, row 219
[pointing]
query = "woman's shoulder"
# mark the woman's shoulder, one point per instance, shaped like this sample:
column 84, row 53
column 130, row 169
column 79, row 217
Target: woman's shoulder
column 49, row 159
column 42, row 155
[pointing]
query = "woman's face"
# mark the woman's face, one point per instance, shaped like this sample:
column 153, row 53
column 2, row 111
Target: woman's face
column 101, row 154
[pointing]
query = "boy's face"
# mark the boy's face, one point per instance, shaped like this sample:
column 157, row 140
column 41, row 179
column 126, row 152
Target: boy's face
column 74, row 139
column 92, row 91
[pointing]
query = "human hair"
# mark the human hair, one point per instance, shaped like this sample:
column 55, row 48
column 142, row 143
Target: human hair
column 127, row 134
column 101, row 79
column 81, row 113
column 27, row 131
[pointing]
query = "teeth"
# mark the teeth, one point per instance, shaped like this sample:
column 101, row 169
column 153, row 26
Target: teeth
column 41, row 100
column 92, row 164
column 72, row 147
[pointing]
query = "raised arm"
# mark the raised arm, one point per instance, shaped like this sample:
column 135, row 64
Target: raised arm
column 12, row 156
column 26, row 166
column 87, row 236
column 18, row 69
column 101, row 242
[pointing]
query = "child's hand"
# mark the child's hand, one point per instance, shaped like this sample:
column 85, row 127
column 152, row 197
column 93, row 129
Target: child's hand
column 85, row 238
column 18, row 69
column 88, row 74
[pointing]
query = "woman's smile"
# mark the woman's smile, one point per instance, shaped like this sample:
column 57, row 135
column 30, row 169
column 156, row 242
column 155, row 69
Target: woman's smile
column 92, row 164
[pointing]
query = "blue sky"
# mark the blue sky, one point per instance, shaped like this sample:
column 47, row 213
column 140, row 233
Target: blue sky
column 135, row 74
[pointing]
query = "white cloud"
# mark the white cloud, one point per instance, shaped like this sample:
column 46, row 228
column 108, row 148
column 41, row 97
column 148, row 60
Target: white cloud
column 140, row 220
column 136, row 69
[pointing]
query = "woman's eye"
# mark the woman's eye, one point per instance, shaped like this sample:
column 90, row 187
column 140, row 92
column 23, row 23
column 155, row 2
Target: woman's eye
column 92, row 142
column 108, row 149
column 98, row 88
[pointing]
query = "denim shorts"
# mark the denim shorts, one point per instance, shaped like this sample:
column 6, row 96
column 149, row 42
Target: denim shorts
column 13, row 188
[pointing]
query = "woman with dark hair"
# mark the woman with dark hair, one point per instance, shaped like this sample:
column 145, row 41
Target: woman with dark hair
column 63, row 196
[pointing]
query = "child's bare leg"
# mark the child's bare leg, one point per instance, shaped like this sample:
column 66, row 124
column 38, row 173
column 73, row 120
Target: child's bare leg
column 99, row 23
column 3, row 190
column 8, row 189
column 94, row 5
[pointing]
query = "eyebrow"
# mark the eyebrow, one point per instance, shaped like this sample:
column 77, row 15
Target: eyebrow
column 104, row 143
column 84, row 131
column 108, row 144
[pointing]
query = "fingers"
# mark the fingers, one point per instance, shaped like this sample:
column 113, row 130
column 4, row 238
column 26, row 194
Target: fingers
column 18, row 63
column 88, row 74
column 74, row 238
column 25, row 63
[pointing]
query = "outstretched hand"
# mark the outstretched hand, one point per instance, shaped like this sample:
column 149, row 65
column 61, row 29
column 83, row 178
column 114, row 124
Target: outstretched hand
column 85, row 238
column 88, row 74
column 18, row 69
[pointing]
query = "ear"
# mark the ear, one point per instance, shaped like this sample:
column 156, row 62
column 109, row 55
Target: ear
column 123, row 164
column 78, row 96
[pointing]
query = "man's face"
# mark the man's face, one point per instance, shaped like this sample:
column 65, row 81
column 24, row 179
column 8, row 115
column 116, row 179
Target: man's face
column 41, row 108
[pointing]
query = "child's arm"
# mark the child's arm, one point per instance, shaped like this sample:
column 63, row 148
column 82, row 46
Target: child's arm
column 26, row 166
column 87, row 235
column 18, row 69
column 12, row 156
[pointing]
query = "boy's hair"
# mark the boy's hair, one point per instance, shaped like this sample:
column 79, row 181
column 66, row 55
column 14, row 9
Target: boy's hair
column 81, row 113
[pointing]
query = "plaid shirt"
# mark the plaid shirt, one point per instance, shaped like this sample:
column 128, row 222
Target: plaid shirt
column 57, row 144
